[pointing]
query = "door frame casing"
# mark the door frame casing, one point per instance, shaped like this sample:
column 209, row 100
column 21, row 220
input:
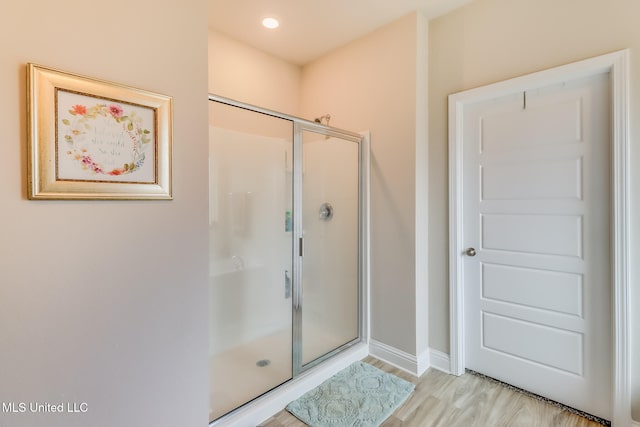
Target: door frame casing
column 614, row 64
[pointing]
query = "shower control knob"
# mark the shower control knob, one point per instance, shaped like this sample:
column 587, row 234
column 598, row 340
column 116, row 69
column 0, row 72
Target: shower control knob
column 326, row 211
column 471, row 252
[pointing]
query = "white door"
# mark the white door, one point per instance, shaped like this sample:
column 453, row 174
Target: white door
column 536, row 208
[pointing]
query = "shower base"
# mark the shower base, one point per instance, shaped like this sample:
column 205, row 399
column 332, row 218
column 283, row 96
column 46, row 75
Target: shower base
column 240, row 374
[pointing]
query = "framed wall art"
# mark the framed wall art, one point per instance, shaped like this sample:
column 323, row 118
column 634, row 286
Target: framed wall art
column 92, row 139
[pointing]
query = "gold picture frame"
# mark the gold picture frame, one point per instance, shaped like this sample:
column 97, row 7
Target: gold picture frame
column 93, row 139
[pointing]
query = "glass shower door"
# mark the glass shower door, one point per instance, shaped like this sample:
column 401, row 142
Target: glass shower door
column 250, row 225
column 330, row 232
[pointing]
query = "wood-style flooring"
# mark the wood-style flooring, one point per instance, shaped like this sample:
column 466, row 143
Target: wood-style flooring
column 442, row 400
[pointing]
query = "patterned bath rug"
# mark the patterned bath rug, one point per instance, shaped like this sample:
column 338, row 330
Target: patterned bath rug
column 358, row 396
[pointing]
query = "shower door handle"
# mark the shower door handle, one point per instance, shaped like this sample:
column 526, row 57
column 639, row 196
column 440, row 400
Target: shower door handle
column 287, row 285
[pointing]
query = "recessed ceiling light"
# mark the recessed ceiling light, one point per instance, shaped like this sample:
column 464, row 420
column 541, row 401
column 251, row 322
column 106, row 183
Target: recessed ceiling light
column 270, row 23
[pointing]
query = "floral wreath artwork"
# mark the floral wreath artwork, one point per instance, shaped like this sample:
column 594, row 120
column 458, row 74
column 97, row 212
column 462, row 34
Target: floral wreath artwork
column 102, row 141
column 91, row 139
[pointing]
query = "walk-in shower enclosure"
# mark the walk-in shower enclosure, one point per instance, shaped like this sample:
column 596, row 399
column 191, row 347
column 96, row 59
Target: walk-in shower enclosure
column 287, row 223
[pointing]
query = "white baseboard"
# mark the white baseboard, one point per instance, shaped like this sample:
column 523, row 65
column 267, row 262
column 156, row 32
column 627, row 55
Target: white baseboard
column 440, row 361
column 415, row 365
column 408, row 362
column 271, row 403
column 424, row 362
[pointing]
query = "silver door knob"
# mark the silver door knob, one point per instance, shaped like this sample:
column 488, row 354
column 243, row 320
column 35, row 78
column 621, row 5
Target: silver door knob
column 471, row 252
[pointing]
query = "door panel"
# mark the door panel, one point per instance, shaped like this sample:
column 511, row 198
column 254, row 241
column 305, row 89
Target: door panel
column 330, row 212
column 563, row 116
column 521, row 339
column 558, row 178
column 536, row 209
column 546, row 290
column 520, row 233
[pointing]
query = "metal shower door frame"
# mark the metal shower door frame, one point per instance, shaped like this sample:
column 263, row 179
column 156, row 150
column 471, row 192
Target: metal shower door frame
column 299, row 126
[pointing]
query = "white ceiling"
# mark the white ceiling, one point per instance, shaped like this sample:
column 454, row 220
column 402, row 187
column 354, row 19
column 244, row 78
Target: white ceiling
column 310, row 28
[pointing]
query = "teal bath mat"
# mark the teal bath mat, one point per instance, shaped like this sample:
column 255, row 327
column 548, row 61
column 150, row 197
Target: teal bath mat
column 358, row 396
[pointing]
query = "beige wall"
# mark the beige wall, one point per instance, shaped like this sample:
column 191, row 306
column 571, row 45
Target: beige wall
column 371, row 84
column 492, row 40
column 105, row 302
column 249, row 75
